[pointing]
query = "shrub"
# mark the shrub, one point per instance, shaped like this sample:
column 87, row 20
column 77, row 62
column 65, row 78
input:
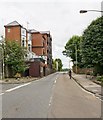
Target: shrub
column 18, row 75
column 100, row 78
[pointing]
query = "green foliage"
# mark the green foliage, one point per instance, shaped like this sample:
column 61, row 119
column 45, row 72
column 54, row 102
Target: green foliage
column 54, row 65
column 60, row 65
column 65, row 69
column 100, row 78
column 71, row 46
column 14, row 57
column 92, row 45
column 18, row 75
column 1, row 52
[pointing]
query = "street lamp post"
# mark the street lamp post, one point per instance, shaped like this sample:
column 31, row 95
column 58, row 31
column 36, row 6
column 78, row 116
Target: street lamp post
column 2, row 63
column 2, row 57
column 69, row 63
column 84, row 11
column 57, row 65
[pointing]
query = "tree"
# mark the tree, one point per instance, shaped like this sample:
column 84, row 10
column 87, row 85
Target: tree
column 14, row 57
column 72, row 46
column 92, row 45
column 60, row 65
column 1, row 52
column 54, row 65
column 59, row 62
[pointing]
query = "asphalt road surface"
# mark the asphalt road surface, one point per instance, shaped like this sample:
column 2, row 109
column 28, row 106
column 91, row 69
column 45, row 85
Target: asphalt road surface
column 54, row 96
column 72, row 101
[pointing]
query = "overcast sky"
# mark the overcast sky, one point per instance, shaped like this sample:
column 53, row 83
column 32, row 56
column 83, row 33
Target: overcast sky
column 60, row 17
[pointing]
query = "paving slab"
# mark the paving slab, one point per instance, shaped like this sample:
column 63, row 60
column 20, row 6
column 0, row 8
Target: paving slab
column 88, row 84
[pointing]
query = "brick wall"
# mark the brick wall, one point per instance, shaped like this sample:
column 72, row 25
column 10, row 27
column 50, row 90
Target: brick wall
column 13, row 33
column 37, row 43
column 82, row 70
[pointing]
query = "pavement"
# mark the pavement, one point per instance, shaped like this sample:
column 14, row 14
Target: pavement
column 18, row 81
column 88, row 85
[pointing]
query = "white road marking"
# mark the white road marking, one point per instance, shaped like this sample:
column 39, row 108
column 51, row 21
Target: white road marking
column 83, row 89
column 50, row 101
column 12, row 89
column 55, row 81
column 88, row 92
column 1, row 93
column 91, row 86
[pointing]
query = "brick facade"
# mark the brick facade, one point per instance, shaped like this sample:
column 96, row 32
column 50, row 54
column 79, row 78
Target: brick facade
column 37, row 43
column 48, row 47
column 13, row 33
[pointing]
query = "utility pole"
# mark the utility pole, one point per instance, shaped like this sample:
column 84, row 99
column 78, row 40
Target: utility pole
column 2, row 62
column 57, row 65
column 69, row 63
column 76, row 57
column 27, row 25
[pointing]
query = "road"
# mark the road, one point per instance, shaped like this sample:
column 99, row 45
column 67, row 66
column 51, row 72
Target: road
column 54, row 96
column 72, row 101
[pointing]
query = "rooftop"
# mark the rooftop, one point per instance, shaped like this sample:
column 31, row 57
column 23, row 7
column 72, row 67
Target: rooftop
column 14, row 23
column 33, row 31
column 45, row 32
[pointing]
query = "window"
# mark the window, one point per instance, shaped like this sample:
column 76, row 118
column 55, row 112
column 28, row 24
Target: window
column 23, row 31
column 29, row 47
column 23, row 43
column 8, row 29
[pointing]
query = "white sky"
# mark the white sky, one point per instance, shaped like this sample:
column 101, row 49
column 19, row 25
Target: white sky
column 61, row 17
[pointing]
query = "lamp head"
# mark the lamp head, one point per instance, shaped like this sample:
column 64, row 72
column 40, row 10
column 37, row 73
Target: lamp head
column 83, row 11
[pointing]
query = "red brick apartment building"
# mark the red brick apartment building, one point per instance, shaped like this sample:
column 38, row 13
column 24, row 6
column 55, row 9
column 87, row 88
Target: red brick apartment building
column 42, row 46
column 47, row 48
column 37, row 42
column 15, row 32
